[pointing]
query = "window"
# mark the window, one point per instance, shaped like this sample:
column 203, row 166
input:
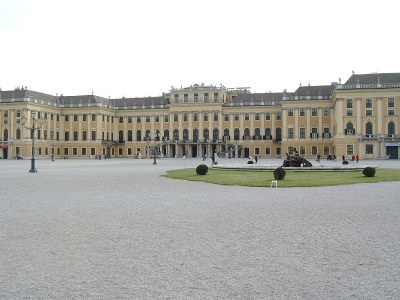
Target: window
column 121, row 120
column 302, row 112
column 176, row 98
column 349, row 149
column 74, row 151
column 302, row 150
column 216, row 98
column 157, row 119
column 302, row 133
column 175, row 117
column 58, row 118
column 314, row 112
column 130, row 136
column 84, row 135
column 75, row 135
column 129, row 151
column 390, row 102
column 186, row 98
column 93, row 135
column 326, row 150
column 349, row 129
column 290, row 112
column 369, row 149
column 66, row 118
column 129, row 119
column 391, row 129
column 147, row 119
column 314, row 150
column 326, row 135
column 349, row 113
column 45, row 134
column 138, row 119
column 185, row 117
column 267, row 151
column 93, row 117
column 83, row 151
column 75, row 118
column 65, row 151
column 215, row 116
column 278, row 116
column 391, row 112
column 349, row 103
column 267, row 116
column 205, row 117
column 226, row 117
column 92, row 151
column 257, row 151
column 195, row 116
column 5, row 114
column 368, row 103
column 196, row 98
column 368, row 112
column 66, row 136
column 368, row 128
column 246, row 116
column 314, row 133
column 290, row 133
column 326, row 111
column 18, row 134
column 166, row 118
column 84, row 119
column 236, row 117
column 206, row 97
column 257, row 116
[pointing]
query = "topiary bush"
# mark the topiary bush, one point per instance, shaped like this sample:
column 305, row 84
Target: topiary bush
column 250, row 162
column 345, row 162
column 279, row 173
column 369, row 172
column 202, row 169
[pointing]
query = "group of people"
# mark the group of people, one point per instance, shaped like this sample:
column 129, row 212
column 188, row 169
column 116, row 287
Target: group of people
column 354, row 158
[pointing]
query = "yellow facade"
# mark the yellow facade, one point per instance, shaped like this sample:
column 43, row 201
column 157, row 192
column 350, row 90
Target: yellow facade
column 196, row 121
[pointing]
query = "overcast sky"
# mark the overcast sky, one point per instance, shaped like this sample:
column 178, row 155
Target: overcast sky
column 142, row 48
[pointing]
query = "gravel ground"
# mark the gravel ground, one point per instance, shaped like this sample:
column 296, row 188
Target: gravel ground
column 114, row 229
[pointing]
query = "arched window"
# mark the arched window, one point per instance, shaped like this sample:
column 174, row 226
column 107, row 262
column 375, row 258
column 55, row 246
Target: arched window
column 121, row 136
column 268, row 134
column 185, row 134
column 148, row 137
column 176, row 134
column 157, row 137
column 368, row 128
column 226, row 132
column 5, row 135
column 206, row 134
column 349, row 128
column 138, row 135
column 278, row 134
column 391, row 129
column 246, row 132
column 236, row 134
column 257, row 133
column 195, row 134
column 18, row 134
column 215, row 134
column 166, row 134
column 129, row 135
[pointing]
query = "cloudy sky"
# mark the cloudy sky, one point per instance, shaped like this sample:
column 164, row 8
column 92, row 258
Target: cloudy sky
column 140, row 48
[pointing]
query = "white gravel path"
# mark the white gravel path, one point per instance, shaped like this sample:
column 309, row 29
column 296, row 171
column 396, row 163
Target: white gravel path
column 114, row 229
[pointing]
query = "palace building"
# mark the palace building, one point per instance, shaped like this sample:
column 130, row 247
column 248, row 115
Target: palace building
column 360, row 117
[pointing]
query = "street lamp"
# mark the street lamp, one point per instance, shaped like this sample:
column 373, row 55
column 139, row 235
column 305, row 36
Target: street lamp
column 35, row 124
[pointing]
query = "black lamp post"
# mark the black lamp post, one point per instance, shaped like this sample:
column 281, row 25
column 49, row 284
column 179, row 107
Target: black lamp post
column 35, row 124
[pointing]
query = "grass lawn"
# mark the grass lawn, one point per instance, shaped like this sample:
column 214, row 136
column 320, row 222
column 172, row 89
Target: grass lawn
column 292, row 179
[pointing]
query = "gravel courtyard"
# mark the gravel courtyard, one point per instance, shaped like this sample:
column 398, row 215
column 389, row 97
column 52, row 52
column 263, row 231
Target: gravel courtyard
column 115, row 229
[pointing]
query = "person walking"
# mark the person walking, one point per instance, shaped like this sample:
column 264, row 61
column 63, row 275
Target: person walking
column 52, row 157
column 256, row 158
column 318, row 158
column 357, row 158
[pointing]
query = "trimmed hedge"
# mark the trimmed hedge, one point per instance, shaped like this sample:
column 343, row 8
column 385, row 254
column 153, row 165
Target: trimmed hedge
column 369, row 172
column 202, row 169
column 250, row 162
column 279, row 173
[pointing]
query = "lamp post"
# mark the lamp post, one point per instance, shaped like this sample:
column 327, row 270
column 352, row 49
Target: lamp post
column 36, row 123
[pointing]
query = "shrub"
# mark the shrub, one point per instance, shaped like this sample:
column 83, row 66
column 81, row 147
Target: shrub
column 369, row 172
column 201, row 169
column 345, row 162
column 279, row 173
column 250, row 162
